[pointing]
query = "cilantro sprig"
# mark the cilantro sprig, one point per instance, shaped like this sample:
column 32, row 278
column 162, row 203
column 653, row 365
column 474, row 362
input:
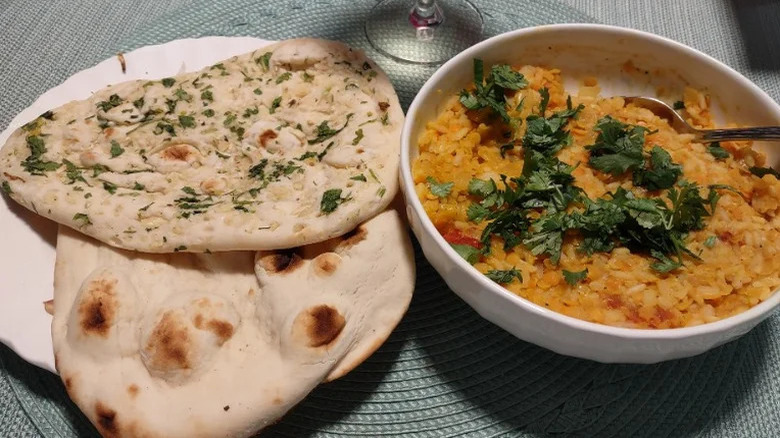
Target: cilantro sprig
column 489, row 91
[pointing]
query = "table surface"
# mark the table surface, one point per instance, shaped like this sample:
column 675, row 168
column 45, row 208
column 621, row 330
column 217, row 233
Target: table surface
column 44, row 42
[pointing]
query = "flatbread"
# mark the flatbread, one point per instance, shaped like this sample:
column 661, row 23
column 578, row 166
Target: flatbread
column 193, row 345
column 374, row 257
column 289, row 145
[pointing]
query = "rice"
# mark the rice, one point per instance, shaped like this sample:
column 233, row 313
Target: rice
column 740, row 270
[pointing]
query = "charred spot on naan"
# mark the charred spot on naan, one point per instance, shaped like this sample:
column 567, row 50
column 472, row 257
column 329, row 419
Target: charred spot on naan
column 178, row 152
column 268, row 134
column 318, row 326
column 326, row 264
column 98, row 307
column 223, row 330
column 353, row 237
column 13, row 177
column 132, row 390
column 168, row 347
column 281, row 262
column 106, row 422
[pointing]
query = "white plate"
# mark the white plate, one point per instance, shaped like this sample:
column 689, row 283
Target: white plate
column 27, row 264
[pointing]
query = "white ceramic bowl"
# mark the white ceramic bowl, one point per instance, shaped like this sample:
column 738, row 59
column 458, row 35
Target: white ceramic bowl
column 600, row 51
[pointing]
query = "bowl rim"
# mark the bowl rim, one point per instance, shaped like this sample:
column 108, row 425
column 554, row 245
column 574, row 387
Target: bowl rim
column 755, row 313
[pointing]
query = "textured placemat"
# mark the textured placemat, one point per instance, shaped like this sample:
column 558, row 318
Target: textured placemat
column 444, row 371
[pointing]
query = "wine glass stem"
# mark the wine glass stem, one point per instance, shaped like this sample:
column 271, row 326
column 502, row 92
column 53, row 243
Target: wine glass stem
column 426, row 13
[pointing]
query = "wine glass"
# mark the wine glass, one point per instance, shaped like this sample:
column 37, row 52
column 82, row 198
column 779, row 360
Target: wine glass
column 423, row 31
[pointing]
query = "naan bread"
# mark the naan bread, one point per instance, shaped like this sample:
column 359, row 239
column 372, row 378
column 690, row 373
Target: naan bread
column 193, row 345
column 289, row 145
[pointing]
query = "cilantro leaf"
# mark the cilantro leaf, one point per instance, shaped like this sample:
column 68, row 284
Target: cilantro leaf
column 664, row 263
column 116, row 149
column 490, row 92
column 359, row 177
column 109, row 187
column 112, row 102
column 618, row 147
column 678, row 105
column 661, row 174
column 477, row 213
column 441, row 190
column 324, row 131
column 264, row 60
column 275, row 104
column 187, row 121
column 358, row 137
column 545, row 93
column 331, row 199
column 717, row 151
column 503, row 76
column 574, row 277
column 504, row 276
column 83, row 218
column 547, row 135
column 761, row 171
column 468, row 252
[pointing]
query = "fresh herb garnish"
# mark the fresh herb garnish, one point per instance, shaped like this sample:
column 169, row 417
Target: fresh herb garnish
column 661, row 173
column 442, row 190
column 264, row 60
column 116, row 149
column 324, row 131
column 468, row 252
column 209, row 113
column 257, row 91
column 761, row 171
column 112, row 102
column 717, row 151
column 207, row 96
column 187, row 121
column 109, row 187
column 33, row 163
column 489, row 92
column 168, row 82
column 283, row 77
column 331, row 199
column 618, row 147
column 6, row 187
column 275, row 104
column 249, row 112
column 678, row 105
column 164, row 127
column 547, row 135
column 360, row 177
column 710, row 242
column 358, row 137
column 574, row 277
column 504, row 276
column 72, row 172
column 322, row 154
column 83, row 218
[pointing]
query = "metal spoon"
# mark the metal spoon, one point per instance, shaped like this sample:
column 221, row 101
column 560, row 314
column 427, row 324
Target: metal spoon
column 664, row 111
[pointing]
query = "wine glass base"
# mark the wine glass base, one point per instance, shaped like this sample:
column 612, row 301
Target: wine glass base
column 395, row 32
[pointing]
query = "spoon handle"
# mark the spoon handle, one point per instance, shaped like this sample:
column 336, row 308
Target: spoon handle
column 756, row 133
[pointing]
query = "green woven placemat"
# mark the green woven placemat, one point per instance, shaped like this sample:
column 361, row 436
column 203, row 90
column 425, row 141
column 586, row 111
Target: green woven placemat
column 444, row 371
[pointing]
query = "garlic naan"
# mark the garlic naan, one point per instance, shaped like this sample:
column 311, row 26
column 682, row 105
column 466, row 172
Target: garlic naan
column 291, row 144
